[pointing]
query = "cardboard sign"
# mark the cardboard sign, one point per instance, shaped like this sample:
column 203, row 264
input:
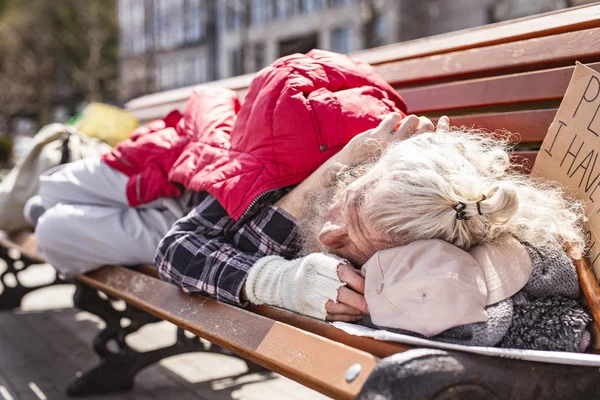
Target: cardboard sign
column 571, row 151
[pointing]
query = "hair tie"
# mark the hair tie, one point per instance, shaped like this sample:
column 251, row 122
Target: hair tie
column 460, row 211
column 479, row 204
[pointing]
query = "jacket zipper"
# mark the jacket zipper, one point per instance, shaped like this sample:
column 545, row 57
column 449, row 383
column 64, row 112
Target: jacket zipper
column 256, row 200
column 316, row 126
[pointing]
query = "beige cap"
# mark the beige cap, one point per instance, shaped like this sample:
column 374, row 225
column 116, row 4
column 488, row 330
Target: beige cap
column 506, row 265
column 429, row 286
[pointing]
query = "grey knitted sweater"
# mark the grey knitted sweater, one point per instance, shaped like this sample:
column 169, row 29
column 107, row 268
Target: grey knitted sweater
column 544, row 315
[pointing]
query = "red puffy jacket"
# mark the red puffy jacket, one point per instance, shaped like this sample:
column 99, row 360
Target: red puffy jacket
column 297, row 113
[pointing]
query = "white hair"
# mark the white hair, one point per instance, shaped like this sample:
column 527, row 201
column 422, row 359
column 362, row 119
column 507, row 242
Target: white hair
column 411, row 192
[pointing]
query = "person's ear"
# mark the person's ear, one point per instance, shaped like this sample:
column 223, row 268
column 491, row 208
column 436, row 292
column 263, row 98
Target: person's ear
column 333, row 235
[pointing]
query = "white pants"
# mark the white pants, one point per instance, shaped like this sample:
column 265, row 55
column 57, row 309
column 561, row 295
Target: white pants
column 87, row 221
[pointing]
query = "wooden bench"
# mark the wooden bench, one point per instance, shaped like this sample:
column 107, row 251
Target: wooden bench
column 510, row 75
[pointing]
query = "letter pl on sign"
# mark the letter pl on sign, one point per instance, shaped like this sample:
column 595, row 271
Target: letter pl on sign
column 570, row 150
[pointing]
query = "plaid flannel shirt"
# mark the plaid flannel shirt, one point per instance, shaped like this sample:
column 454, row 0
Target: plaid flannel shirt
column 208, row 252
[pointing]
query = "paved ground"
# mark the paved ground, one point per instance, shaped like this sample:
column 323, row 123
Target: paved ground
column 47, row 343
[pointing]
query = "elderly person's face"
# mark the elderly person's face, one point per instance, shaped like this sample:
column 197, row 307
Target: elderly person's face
column 349, row 235
column 332, row 221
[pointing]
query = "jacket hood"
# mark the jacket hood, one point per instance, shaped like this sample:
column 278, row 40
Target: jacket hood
column 297, row 113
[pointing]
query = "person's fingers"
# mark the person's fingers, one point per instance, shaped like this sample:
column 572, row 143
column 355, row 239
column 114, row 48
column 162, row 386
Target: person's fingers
column 353, row 299
column 389, row 123
column 407, row 127
column 331, row 173
column 443, row 124
column 425, row 125
column 352, row 277
column 340, row 308
column 343, row 317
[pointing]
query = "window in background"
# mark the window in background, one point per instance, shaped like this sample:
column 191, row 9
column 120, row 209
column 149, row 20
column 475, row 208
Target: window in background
column 177, row 25
column 261, row 11
column 180, row 71
column 309, row 6
column 162, row 23
column 229, row 11
column 137, row 22
column 194, row 20
column 300, row 44
column 183, row 72
column 341, row 39
column 335, row 3
column 236, row 60
column 296, row 6
column 199, row 68
column 284, row 9
column 125, row 26
column 379, row 30
column 132, row 16
column 164, row 78
column 234, row 14
column 166, row 75
column 260, row 56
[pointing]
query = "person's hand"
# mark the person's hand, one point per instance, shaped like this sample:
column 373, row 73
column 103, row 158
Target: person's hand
column 362, row 147
column 351, row 304
column 392, row 129
column 370, row 143
column 319, row 285
column 443, row 124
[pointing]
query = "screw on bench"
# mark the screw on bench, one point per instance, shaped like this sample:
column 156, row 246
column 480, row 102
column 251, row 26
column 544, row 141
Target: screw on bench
column 353, row 372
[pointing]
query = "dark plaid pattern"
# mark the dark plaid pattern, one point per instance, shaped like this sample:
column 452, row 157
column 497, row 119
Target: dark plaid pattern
column 208, row 252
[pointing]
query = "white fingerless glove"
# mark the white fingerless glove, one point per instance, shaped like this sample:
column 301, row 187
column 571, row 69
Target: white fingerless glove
column 303, row 285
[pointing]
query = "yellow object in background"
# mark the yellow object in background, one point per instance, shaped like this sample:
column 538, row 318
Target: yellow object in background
column 105, row 122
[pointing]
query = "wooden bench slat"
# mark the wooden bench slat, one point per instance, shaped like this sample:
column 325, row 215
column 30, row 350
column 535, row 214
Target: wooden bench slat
column 590, row 289
column 566, row 20
column 157, row 105
column 524, row 55
column 547, row 85
column 176, row 95
column 376, row 347
column 24, row 241
column 309, row 359
column 526, row 126
column 483, row 92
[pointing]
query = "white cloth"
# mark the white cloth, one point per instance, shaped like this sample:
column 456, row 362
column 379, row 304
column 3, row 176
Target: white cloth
column 303, row 285
column 88, row 222
column 22, row 183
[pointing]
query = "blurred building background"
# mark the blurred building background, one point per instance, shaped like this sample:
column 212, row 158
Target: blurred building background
column 56, row 56
column 166, row 44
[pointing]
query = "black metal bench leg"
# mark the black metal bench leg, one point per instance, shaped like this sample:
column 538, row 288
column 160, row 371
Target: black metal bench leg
column 119, row 363
column 13, row 292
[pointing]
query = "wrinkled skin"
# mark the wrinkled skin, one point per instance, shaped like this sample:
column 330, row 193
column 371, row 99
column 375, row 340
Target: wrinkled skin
column 334, row 223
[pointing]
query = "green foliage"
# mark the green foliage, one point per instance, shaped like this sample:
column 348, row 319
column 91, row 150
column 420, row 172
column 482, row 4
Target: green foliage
column 6, row 148
column 56, row 51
